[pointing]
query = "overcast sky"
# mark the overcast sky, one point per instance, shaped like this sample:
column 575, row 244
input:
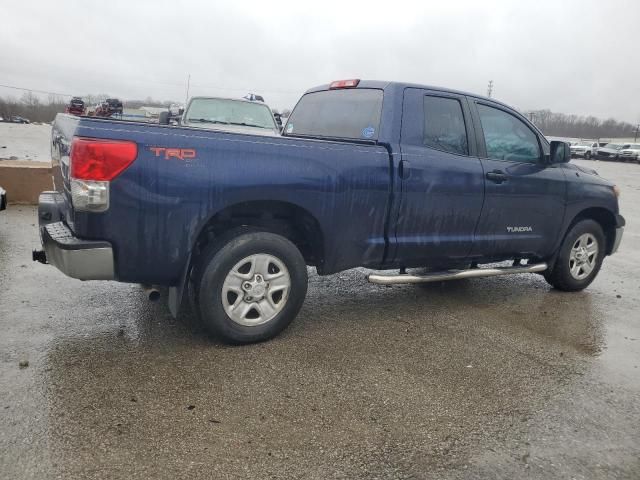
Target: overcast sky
column 569, row 56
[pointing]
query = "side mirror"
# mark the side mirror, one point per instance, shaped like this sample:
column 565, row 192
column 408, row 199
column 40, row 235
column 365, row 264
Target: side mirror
column 560, row 152
column 164, row 118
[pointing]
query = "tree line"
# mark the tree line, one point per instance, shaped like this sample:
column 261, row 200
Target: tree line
column 37, row 110
column 574, row 126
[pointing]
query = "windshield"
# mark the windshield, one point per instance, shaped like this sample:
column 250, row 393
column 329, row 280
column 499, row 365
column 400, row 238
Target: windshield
column 613, row 146
column 348, row 113
column 230, row 112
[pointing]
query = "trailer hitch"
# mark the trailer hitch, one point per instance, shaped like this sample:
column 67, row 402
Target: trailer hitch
column 39, row 256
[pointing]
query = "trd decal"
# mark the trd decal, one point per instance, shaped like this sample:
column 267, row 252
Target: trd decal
column 169, row 153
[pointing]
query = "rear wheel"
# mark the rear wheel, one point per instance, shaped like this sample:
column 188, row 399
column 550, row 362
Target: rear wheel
column 580, row 257
column 251, row 287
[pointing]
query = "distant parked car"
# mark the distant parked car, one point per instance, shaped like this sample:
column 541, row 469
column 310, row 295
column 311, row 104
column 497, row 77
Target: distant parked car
column 75, row 107
column 3, row 199
column 584, row 149
column 109, row 108
column 18, row 119
column 115, row 106
column 611, row 151
column 631, row 153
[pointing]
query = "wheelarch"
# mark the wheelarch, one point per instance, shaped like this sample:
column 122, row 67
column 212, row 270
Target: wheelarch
column 283, row 218
column 604, row 217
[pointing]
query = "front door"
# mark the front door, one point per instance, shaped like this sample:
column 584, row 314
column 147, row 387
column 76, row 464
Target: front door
column 524, row 201
column 442, row 185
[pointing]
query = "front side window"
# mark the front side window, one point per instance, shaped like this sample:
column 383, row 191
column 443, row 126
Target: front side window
column 444, row 127
column 352, row 113
column 507, row 137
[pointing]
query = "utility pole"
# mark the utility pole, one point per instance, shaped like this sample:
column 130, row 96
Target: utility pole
column 186, row 100
column 635, row 137
column 490, row 88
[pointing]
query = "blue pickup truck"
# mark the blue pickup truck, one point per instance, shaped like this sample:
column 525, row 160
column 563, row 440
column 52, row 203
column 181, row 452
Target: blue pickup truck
column 373, row 174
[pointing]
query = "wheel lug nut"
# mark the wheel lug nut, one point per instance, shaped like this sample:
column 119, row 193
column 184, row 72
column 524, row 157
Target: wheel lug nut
column 246, row 286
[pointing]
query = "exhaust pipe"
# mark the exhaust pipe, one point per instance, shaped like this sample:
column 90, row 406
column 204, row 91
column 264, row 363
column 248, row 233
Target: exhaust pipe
column 152, row 292
column 454, row 274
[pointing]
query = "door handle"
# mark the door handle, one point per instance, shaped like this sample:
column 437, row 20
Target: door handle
column 404, row 169
column 496, row 176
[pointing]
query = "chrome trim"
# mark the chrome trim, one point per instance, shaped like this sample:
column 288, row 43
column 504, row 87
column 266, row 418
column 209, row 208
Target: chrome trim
column 85, row 264
column 454, row 274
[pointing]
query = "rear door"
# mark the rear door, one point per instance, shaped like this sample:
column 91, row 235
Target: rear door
column 524, row 200
column 441, row 179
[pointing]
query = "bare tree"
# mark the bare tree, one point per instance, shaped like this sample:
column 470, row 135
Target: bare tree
column 574, row 126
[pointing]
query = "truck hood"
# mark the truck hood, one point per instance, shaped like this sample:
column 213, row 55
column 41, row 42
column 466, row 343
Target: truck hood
column 593, row 176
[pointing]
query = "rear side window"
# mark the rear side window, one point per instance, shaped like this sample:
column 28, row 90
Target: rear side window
column 444, row 127
column 507, row 137
column 349, row 113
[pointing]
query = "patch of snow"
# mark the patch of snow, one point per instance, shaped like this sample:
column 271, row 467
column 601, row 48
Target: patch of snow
column 25, row 142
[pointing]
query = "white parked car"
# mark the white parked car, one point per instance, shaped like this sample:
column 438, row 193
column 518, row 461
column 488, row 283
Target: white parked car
column 631, row 153
column 584, row 149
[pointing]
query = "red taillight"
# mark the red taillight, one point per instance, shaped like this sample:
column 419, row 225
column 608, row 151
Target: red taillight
column 101, row 160
column 345, row 83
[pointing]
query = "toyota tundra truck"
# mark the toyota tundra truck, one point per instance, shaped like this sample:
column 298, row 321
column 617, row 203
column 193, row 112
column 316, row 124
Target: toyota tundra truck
column 382, row 175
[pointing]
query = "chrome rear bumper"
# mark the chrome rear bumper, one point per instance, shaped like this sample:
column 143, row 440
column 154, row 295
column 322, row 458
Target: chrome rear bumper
column 77, row 258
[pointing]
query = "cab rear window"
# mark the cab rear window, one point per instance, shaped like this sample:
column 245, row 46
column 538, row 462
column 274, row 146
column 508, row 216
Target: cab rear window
column 348, row 113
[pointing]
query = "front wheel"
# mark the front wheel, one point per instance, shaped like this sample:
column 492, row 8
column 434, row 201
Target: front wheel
column 580, row 257
column 251, row 287
column 587, row 156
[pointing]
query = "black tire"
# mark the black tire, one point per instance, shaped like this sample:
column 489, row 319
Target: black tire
column 217, row 261
column 560, row 276
column 587, row 156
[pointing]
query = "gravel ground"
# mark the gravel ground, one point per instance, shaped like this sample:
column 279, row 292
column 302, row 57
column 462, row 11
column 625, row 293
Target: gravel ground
column 25, row 142
column 488, row 378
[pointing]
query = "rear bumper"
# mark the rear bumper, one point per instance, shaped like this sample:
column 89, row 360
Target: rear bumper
column 77, row 258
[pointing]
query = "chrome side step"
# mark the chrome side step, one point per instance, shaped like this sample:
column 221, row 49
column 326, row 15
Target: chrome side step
column 454, row 274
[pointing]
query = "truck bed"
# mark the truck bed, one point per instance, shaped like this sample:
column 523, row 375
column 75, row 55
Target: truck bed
column 166, row 197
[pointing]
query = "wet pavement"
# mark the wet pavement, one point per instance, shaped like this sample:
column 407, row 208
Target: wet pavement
column 488, row 378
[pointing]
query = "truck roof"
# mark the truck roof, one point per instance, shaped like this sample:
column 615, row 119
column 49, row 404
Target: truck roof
column 386, row 85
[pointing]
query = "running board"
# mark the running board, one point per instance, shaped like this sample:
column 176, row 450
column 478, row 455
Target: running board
column 454, row 274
